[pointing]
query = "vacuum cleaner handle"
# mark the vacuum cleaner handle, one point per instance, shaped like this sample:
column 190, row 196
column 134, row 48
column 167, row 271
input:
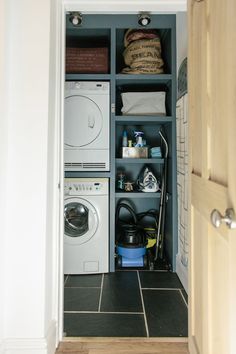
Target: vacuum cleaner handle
column 127, row 207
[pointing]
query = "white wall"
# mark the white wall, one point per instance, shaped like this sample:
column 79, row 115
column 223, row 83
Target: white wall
column 182, row 188
column 26, row 173
column 25, row 156
column 3, row 154
column 182, row 157
column 53, row 178
column 126, row 6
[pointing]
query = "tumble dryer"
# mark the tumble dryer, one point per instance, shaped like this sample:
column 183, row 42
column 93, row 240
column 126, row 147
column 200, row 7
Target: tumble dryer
column 86, row 126
column 86, row 220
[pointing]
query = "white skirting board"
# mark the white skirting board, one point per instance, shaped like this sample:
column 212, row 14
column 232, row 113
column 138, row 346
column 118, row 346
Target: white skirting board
column 46, row 345
column 182, row 272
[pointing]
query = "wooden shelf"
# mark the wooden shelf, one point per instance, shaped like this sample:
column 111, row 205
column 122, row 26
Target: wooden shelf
column 138, row 195
column 139, row 161
column 144, row 77
column 85, row 174
column 143, row 119
column 95, row 77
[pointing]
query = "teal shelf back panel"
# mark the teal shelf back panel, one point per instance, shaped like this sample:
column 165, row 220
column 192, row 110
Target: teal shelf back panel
column 109, row 29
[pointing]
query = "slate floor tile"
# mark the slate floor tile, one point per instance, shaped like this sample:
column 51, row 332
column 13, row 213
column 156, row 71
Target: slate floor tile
column 104, row 325
column 161, row 264
column 159, row 280
column 65, row 279
column 166, row 313
column 91, row 280
column 121, row 293
column 185, row 295
column 81, row 299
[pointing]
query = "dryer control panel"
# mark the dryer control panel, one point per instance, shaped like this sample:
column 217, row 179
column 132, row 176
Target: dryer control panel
column 86, row 186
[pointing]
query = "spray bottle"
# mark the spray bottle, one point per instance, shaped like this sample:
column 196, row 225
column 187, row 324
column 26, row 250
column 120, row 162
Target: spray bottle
column 139, row 139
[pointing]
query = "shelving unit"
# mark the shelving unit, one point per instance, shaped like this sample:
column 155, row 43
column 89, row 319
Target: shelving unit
column 139, row 161
column 88, row 77
column 139, row 120
column 138, row 195
column 109, row 30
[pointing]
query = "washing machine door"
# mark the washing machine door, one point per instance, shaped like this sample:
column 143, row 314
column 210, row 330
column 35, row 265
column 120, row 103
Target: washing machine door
column 80, row 220
column 83, row 121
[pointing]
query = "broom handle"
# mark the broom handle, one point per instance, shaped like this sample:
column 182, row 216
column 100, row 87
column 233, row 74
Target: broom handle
column 160, row 228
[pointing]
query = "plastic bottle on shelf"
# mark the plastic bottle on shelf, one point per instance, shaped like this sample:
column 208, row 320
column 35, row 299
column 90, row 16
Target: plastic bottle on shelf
column 125, row 139
column 130, row 143
column 139, row 139
column 121, row 181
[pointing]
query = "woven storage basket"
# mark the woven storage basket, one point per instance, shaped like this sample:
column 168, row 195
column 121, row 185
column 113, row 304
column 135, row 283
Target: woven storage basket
column 87, row 60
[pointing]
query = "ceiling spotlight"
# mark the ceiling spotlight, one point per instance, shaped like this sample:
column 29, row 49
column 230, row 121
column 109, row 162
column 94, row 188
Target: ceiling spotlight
column 144, row 20
column 76, row 18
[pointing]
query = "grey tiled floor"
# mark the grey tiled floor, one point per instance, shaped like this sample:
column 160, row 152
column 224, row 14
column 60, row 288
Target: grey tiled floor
column 125, row 304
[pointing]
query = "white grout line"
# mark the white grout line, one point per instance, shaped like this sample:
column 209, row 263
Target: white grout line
column 183, row 298
column 82, row 287
column 161, row 289
column 143, row 270
column 66, row 279
column 158, row 271
column 100, row 299
column 144, row 313
column 108, row 313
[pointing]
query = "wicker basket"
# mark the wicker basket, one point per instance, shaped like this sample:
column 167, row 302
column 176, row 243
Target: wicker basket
column 87, row 60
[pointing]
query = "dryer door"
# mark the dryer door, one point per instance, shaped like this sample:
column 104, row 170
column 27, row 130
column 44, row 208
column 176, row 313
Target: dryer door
column 83, row 121
column 81, row 220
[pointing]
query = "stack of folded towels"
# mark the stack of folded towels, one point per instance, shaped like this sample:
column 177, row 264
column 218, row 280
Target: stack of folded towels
column 156, row 152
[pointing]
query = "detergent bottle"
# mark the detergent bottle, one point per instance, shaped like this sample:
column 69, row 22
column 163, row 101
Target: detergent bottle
column 125, row 139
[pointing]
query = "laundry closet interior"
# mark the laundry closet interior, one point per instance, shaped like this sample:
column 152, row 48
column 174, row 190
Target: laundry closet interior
column 120, row 186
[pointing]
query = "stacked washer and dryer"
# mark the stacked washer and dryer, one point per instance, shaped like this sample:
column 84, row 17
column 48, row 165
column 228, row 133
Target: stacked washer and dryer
column 86, row 126
column 86, row 200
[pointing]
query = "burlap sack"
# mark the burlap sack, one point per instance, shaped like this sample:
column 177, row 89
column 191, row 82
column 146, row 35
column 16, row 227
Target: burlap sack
column 143, row 57
column 135, row 34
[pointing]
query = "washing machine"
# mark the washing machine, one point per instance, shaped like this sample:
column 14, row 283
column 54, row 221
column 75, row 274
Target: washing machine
column 86, row 225
column 86, row 126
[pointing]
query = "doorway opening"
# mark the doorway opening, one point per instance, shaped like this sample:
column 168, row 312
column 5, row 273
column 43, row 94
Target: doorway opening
column 150, row 299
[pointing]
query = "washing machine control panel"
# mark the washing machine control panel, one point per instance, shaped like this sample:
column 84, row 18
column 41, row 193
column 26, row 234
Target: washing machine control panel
column 86, row 187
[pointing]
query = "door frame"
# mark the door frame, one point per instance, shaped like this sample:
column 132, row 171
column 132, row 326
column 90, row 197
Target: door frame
column 93, row 7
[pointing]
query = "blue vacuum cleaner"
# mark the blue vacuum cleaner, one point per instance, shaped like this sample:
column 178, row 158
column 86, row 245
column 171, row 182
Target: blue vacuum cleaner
column 130, row 240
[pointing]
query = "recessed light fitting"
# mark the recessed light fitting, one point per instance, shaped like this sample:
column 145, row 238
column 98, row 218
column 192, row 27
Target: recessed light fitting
column 144, row 19
column 76, row 18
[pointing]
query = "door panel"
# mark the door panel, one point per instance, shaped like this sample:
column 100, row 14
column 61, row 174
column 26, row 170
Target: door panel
column 216, row 52
column 212, row 113
column 199, row 302
column 196, row 85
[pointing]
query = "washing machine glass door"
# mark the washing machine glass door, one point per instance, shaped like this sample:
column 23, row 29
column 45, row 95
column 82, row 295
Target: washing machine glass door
column 81, row 220
column 83, row 121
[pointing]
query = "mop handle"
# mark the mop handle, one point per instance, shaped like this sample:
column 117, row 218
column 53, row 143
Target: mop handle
column 162, row 202
column 166, row 145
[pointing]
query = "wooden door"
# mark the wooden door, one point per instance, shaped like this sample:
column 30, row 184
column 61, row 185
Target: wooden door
column 212, row 109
